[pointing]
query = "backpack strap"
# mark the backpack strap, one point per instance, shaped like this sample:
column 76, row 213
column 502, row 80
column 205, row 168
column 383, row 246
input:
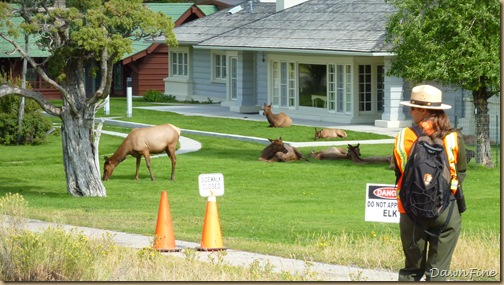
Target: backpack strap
column 430, row 233
column 417, row 130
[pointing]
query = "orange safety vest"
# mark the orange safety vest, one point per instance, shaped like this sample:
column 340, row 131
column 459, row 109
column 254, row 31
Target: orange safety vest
column 403, row 142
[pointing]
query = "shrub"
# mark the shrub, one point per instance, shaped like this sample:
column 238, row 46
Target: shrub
column 35, row 124
column 157, row 96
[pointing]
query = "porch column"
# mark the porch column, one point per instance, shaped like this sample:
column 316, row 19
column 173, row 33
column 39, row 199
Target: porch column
column 246, row 99
column 393, row 115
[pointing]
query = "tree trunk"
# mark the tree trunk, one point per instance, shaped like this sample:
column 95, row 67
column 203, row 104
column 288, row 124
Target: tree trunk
column 82, row 175
column 22, row 99
column 483, row 150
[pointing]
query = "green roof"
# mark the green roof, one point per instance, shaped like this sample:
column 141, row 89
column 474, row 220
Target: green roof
column 173, row 10
column 208, row 9
column 6, row 48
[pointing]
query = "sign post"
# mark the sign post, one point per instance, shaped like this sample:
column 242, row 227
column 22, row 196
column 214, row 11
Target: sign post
column 211, row 184
column 129, row 97
column 381, row 203
column 106, row 108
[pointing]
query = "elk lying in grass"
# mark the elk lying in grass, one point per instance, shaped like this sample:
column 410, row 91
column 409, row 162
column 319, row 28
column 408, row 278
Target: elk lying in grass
column 329, row 133
column 144, row 142
column 280, row 120
column 278, row 151
column 354, row 154
column 332, row 153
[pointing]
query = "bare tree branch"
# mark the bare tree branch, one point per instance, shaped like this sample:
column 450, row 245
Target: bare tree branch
column 43, row 102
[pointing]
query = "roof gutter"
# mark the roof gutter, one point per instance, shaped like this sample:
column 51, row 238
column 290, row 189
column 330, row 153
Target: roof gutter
column 306, row 51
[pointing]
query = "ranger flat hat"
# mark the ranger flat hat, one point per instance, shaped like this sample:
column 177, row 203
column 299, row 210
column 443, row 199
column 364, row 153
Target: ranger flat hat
column 427, row 97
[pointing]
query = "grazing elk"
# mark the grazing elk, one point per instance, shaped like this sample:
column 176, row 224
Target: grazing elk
column 332, row 153
column 144, row 142
column 278, row 151
column 354, row 154
column 328, row 133
column 280, row 120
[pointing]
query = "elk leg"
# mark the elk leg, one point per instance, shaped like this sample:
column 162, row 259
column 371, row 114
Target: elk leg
column 171, row 154
column 137, row 166
column 147, row 161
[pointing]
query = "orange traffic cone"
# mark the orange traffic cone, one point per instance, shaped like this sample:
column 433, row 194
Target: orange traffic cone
column 164, row 239
column 211, row 239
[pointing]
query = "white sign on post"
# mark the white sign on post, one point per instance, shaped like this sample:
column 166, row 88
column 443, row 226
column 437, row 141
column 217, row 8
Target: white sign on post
column 381, row 203
column 212, row 182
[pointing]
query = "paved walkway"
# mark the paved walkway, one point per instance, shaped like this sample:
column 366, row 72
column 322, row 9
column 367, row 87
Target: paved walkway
column 216, row 110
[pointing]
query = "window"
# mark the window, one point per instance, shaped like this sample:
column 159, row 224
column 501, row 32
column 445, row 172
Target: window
column 220, row 67
column 365, row 84
column 380, row 92
column 233, row 80
column 340, row 88
column 313, row 85
column 179, row 63
column 33, row 79
column 284, row 83
column 118, row 77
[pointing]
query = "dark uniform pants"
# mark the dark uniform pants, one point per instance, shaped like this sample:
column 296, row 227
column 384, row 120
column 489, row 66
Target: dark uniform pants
column 427, row 254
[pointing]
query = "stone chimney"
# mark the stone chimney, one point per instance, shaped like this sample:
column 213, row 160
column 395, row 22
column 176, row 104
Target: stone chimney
column 284, row 4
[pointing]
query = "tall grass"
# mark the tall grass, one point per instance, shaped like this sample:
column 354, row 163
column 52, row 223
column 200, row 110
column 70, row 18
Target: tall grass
column 58, row 255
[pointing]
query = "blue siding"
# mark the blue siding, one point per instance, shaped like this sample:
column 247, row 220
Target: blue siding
column 261, row 79
column 246, row 78
column 203, row 86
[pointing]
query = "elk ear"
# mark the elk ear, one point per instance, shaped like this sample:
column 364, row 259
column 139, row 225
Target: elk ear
column 358, row 144
column 106, row 158
column 280, row 138
column 270, row 140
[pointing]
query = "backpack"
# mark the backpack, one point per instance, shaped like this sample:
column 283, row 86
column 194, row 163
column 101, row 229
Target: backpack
column 425, row 188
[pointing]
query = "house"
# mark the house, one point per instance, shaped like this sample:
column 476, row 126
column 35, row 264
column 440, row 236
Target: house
column 146, row 65
column 221, row 4
column 11, row 63
column 315, row 59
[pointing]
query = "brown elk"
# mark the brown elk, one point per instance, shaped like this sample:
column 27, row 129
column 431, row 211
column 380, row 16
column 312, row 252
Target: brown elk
column 329, row 133
column 144, row 142
column 332, row 153
column 280, row 120
column 278, row 151
column 354, row 153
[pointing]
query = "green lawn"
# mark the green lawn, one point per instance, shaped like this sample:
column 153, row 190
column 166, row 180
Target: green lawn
column 267, row 207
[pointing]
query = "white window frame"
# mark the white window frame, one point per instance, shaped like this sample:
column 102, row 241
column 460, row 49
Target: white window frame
column 233, row 78
column 179, row 62
column 219, row 66
column 339, row 85
column 284, row 83
column 380, row 88
column 365, row 88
